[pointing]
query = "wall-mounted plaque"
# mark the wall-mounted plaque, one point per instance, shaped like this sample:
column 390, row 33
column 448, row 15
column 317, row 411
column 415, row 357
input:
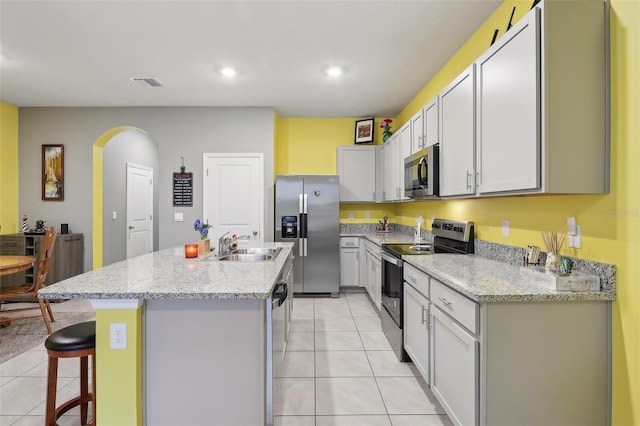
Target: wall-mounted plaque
column 183, row 189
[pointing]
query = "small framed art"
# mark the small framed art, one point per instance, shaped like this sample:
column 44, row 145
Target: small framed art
column 364, row 131
column 53, row 172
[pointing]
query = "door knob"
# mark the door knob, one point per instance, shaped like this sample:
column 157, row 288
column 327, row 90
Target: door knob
column 131, row 226
column 255, row 232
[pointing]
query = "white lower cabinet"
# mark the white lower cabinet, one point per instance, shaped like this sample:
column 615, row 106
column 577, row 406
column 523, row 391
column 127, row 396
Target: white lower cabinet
column 454, row 368
column 416, row 329
column 373, row 274
column 509, row 363
column 349, row 261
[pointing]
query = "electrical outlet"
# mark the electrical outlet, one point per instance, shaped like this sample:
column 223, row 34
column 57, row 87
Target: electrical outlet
column 118, row 336
column 367, row 215
column 505, row 227
column 178, row 217
column 351, row 216
column 114, row 216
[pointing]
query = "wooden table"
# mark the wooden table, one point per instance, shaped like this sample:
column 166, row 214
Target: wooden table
column 12, row 265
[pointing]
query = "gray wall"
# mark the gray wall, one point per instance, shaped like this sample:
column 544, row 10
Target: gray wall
column 131, row 146
column 178, row 131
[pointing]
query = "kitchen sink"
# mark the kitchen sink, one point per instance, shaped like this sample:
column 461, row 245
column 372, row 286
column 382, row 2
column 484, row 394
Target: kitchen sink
column 258, row 250
column 254, row 257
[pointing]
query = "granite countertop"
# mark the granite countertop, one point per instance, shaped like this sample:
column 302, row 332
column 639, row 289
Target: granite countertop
column 166, row 274
column 487, row 281
column 380, row 238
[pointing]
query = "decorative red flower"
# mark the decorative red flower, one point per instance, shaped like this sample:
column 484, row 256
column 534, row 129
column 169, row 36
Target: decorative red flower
column 386, row 122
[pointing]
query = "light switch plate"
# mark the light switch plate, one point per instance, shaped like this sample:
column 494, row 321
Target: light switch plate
column 505, row 227
column 575, row 241
column 178, row 217
column 113, row 216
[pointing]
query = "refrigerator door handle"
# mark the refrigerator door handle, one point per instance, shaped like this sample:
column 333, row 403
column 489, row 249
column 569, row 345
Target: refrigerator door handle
column 304, row 208
column 305, row 247
column 300, row 204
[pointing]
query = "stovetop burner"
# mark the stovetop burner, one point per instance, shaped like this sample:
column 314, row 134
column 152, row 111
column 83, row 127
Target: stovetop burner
column 450, row 236
column 410, row 249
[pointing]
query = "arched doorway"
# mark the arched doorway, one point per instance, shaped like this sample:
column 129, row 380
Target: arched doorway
column 111, row 153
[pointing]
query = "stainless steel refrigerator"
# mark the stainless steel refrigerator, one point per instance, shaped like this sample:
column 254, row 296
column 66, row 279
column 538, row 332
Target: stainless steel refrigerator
column 308, row 215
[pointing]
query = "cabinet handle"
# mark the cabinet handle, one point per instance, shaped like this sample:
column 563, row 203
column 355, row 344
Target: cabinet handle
column 477, row 178
column 468, row 180
column 445, row 302
column 411, row 277
column 422, row 319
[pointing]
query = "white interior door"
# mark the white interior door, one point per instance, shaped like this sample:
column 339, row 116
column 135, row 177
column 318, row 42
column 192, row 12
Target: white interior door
column 139, row 210
column 233, row 191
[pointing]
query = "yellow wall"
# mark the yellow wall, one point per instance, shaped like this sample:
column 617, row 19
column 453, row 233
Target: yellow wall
column 610, row 223
column 9, row 215
column 119, row 371
column 308, row 145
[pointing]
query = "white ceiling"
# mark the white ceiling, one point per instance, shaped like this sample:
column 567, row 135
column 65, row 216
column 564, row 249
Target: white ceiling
column 84, row 53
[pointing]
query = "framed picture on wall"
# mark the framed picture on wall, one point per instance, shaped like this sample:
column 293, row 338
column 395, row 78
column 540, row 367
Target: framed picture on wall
column 53, row 172
column 364, row 131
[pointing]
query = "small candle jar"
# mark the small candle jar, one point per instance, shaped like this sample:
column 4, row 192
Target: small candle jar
column 190, row 250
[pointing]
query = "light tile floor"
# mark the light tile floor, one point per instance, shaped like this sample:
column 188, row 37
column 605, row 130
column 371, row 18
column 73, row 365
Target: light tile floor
column 23, row 381
column 340, row 370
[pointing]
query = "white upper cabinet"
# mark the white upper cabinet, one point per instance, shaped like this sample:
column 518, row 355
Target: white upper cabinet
column 541, row 104
column 457, row 136
column 357, row 170
column 508, row 102
column 404, row 151
column 417, row 132
column 430, row 123
column 390, row 160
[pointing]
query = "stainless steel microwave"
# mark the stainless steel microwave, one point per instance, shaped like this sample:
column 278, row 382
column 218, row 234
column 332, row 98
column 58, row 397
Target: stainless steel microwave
column 422, row 174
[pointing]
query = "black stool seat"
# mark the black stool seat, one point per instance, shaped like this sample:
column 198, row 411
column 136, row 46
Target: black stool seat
column 73, row 338
column 75, row 341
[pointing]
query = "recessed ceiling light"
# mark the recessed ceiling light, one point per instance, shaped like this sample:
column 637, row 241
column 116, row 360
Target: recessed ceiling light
column 228, row 72
column 334, row 71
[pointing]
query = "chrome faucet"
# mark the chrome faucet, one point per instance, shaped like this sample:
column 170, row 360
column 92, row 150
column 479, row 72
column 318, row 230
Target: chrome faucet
column 223, row 243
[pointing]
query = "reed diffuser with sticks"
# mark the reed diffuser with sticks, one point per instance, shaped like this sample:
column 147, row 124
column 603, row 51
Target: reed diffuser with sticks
column 553, row 241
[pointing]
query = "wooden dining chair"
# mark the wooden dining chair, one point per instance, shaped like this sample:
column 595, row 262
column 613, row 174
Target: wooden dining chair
column 31, row 289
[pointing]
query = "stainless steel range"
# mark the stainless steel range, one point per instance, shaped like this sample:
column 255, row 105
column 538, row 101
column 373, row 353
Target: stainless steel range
column 450, row 236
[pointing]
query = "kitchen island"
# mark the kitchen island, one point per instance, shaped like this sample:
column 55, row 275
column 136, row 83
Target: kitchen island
column 198, row 344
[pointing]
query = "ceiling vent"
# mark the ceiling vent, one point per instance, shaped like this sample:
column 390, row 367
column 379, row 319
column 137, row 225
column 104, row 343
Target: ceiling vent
column 147, row 82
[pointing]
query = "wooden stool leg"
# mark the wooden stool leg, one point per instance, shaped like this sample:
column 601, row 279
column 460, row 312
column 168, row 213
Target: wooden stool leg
column 52, row 382
column 84, row 388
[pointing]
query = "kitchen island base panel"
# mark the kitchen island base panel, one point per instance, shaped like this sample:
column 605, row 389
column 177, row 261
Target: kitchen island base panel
column 204, row 360
column 546, row 363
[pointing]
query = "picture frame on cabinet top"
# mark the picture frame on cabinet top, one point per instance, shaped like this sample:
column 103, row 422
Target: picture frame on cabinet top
column 364, row 131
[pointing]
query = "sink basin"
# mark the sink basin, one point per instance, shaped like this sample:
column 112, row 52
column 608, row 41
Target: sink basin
column 258, row 250
column 255, row 257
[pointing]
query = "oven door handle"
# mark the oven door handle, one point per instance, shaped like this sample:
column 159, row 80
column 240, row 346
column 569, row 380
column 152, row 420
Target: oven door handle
column 391, row 259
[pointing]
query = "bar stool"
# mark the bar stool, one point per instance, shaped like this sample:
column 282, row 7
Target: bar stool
column 75, row 341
